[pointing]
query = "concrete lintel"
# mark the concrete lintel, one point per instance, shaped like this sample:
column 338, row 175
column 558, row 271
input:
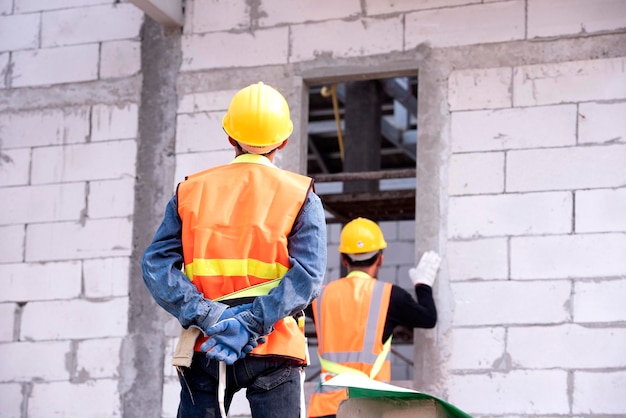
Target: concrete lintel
column 167, row 12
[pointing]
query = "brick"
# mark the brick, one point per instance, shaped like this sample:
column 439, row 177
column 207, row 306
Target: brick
column 49, row 203
column 568, row 17
column 544, row 392
column 12, row 239
column 485, row 259
column 114, row 122
column 49, row 66
column 31, row 361
column 566, row 168
column 485, row 351
column 601, row 123
column 399, row 252
column 83, row 25
column 218, row 16
column 599, row 301
column 480, row 89
column 111, row 198
column 7, row 321
column 14, row 167
column 207, row 51
column 71, row 240
column 44, row 127
column 206, row 102
column 508, row 302
column 466, row 25
column 476, row 173
column 374, row 7
column 568, row 256
column 120, row 59
column 187, row 164
column 201, row 132
column 601, row 210
column 11, row 395
column 91, row 399
column 406, row 230
column 75, row 319
column 19, row 32
column 28, row 282
column 104, row 365
column 504, row 129
column 575, row 81
column 541, row 347
column 599, row 392
column 510, row 214
column 80, row 162
column 342, row 39
column 106, row 277
column 24, row 6
column 278, row 12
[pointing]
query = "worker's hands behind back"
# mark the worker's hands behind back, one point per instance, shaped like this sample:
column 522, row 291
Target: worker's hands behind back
column 228, row 341
column 426, row 270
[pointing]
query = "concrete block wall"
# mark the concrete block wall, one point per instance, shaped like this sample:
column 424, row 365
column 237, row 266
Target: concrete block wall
column 520, row 186
column 543, row 231
column 67, row 174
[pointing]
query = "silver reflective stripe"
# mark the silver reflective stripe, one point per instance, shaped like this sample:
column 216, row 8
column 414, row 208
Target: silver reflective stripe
column 366, row 355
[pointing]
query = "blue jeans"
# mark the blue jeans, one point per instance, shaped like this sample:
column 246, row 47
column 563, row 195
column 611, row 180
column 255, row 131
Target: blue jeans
column 272, row 383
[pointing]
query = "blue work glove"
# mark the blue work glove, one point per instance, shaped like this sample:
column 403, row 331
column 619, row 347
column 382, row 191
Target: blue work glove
column 230, row 312
column 228, row 341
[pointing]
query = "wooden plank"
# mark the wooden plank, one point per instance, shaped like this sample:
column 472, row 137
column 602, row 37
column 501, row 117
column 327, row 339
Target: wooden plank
column 167, row 12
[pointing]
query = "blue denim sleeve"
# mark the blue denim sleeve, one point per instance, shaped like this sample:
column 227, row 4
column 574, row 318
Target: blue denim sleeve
column 302, row 282
column 171, row 289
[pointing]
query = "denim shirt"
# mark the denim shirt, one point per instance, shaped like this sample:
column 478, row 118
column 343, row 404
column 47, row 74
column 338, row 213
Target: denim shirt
column 163, row 262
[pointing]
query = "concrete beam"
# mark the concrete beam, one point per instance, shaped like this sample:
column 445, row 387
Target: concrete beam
column 167, row 12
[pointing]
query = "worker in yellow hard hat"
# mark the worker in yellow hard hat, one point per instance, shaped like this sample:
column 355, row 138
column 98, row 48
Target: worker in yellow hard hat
column 240, row 252
column 355, row 316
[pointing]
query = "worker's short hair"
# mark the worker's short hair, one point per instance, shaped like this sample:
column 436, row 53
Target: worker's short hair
column 362, row 263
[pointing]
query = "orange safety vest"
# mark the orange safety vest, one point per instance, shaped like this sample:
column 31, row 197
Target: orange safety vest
column 350, row 317
column 235, row 222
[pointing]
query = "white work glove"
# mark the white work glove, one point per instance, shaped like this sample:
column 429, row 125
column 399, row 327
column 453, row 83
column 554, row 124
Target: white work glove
column 426, row 270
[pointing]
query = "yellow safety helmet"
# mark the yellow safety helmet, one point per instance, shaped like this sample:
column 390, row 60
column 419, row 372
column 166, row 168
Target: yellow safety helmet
column 258, row 116
column 361, row 236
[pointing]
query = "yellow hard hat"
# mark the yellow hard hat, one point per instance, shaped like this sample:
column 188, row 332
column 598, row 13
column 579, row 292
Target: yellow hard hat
column 258, row 116
column 361, row 236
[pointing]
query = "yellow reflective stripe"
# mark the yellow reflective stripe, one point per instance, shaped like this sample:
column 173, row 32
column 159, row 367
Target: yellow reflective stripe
column 224, row 267
column 380, row 360
column 252, row 291
column 337, row 368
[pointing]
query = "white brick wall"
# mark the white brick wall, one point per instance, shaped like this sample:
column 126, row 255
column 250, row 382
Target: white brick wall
column 485, row 259
column 105, row 278
column 15, row 167
column 32, row 282
column 601, row 210
column 567, row 347
column 518, row 393
column 279, row 12
column 510, row 214
column 75, row 319
column 599, row 301
column 480, row 89
column 30, row 360
column 7, row 322
column 501, row 303
column 12, row 239
column 568, row 256
column 47, row 203
column 476, row 173
column 474, row 24
column 601, row 122
column 91, row 399
column 599, row 392
column 90, row 24
column 558, row 17
column 19, row 32
column 11, row 395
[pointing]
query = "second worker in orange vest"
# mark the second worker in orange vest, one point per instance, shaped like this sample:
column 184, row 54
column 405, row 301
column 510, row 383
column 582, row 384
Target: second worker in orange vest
column 355, row 316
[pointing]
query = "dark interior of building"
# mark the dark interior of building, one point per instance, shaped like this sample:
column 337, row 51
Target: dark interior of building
column 362, row 138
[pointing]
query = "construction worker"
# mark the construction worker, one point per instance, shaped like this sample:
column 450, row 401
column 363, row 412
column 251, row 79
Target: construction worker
column 240, row 251
column 355, row 316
